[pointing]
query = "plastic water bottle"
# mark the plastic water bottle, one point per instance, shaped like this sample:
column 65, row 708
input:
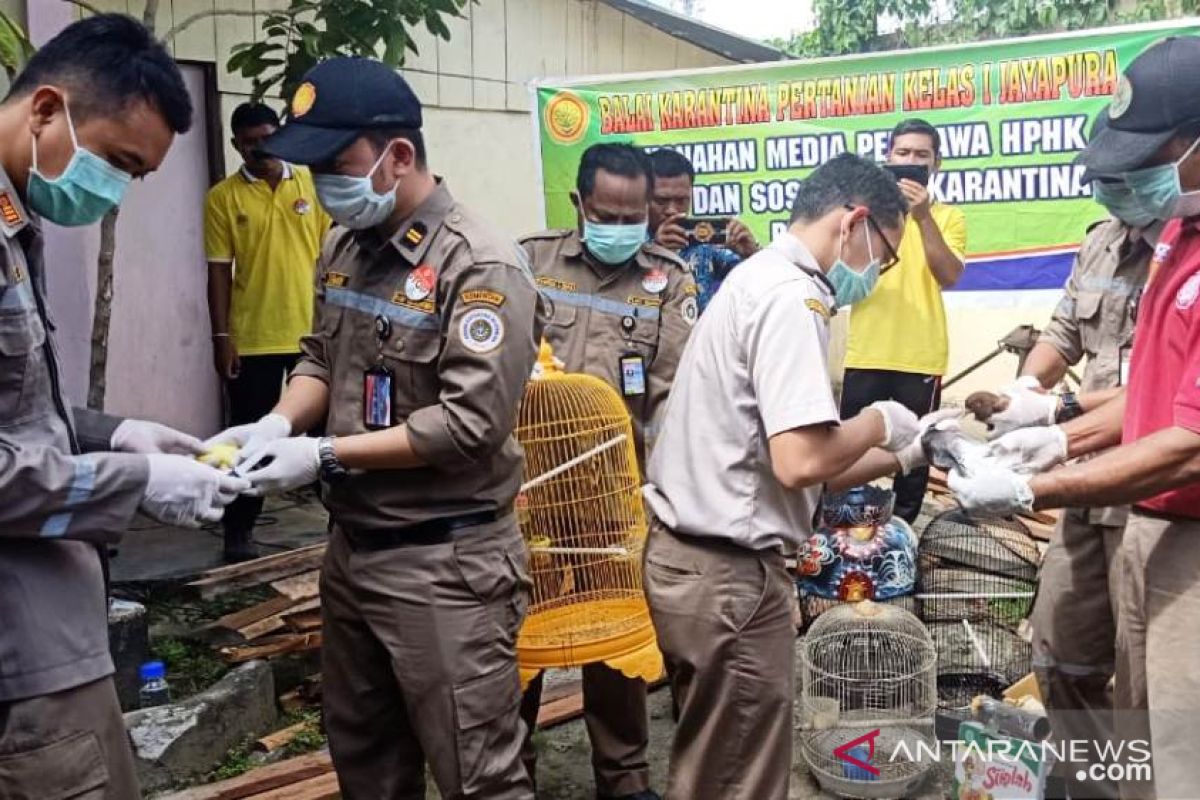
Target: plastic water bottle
column 154, row 691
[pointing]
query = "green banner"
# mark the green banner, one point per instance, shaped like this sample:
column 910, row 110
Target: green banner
column 1012, row 116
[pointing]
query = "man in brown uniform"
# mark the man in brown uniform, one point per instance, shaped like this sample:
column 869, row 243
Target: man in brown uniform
column 425, row 332
column 96, row 106
column 622, row 311
column 1075, row 614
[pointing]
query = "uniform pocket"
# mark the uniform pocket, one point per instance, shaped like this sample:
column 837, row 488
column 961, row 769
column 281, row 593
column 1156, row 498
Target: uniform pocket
column 487, row 571
column 486, row 712
column 69, row 768
column 21, row 335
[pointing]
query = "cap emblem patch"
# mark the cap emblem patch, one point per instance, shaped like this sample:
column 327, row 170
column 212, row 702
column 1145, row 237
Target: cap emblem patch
column 1121, row 99
column 303, row 99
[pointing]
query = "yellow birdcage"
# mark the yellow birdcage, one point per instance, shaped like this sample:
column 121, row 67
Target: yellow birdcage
column 580, row 511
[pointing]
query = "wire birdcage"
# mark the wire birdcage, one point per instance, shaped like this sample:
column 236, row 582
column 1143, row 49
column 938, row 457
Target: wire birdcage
column 868, row 694
column 580, row 511
column 977, row 582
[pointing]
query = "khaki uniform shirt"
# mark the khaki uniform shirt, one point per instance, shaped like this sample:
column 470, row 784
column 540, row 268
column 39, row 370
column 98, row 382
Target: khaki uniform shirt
column 56, row 504
column 448, row 306
column 600, row 314
column 1095, row 316
column 756, row 365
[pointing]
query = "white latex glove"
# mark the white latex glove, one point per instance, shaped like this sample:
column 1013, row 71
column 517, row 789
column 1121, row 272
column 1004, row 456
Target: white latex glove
column 293, row 463
column 1026, row 409
column 253, row 435
column 182, row 491
column 913, row 456
column 1030, row 450
column 900, row 426
column 141, row 436
column 992, row 490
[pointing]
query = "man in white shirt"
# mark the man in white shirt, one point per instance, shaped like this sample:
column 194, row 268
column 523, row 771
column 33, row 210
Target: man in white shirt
column 750, row 440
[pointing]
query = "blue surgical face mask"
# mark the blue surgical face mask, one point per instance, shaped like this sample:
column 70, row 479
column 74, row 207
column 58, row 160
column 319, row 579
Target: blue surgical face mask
column 86, row 190
column 1120, row 201
column 1159, row 192
column 613, row 244
column 851, row 286
column 352, row 201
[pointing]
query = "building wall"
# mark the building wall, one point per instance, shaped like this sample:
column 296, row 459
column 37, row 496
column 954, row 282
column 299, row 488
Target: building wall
column 474, row 86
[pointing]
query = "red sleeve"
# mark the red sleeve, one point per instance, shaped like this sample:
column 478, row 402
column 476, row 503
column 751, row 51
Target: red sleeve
column 1187, row 394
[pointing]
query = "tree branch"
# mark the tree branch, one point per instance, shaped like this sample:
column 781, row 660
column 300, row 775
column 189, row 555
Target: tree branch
column 86, row 6
column 218, row 12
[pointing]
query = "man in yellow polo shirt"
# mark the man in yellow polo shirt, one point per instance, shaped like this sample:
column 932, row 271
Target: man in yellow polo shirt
column 263, row 229
column 898, row 346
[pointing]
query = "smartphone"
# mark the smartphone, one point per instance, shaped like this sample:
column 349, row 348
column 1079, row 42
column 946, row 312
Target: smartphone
column 918, row 173
column 706, row 230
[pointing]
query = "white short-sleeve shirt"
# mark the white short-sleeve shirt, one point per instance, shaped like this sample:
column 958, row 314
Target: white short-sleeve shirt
column 755, row 366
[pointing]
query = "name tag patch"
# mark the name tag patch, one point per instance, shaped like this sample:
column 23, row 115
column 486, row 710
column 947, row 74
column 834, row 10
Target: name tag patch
column 555, row 283
column 424, row 306
column 645, row 302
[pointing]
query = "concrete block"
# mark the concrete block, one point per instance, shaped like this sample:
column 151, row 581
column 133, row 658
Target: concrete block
column 129, row 641
column 189, row 738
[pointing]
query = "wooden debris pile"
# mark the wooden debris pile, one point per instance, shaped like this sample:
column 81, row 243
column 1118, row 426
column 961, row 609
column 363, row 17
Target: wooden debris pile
column 288, row 622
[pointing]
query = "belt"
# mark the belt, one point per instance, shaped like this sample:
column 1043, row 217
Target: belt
column 441, row 530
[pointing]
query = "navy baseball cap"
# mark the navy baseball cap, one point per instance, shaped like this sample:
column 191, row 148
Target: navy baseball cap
column 1158, row 94
column 335, row 103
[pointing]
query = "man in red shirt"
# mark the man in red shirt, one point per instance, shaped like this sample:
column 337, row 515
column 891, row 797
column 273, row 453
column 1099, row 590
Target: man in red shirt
column 1152, row 144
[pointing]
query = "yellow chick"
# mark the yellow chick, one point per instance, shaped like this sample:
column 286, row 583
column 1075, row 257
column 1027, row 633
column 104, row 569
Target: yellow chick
column 220, row 456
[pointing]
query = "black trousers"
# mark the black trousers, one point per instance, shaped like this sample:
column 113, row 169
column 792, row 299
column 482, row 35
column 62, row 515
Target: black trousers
column 920, row 394
column 253, row 393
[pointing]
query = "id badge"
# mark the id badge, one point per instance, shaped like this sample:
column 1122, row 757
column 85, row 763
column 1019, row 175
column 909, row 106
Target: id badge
column 1123, row 374
column 377, row 398
column 633, row 375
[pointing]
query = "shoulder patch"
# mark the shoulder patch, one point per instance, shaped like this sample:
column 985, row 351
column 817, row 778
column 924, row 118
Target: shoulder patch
column 487, row 296
column 481, row 330
column 818, row 307
column 336, row 279
column 690, row 311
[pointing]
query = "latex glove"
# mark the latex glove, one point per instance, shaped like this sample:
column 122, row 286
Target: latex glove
column 900, row 426
column 291, row 463
column 141, row 436
column 913, row 456
column 182, row 491
column 1030, row 450
column 254, row 435
column 992, row 490
column 1026, row 409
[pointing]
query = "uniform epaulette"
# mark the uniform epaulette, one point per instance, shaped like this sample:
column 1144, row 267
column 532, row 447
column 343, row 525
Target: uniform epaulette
column 548, row 234
column 656, row 249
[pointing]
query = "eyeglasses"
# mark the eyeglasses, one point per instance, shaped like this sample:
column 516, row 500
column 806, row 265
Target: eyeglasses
column 893, row 257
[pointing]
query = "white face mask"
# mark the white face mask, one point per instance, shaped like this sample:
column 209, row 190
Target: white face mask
column 352, row 201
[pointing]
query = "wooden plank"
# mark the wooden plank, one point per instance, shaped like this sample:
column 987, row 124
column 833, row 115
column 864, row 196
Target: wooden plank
column 278, row 621
column 284, row 773
column 304, row 621
column 556, row 712
column 247, row 616
column 272, row 646
column 323, row 787
column 299, row 587
column 281, row 738
column 236, row 577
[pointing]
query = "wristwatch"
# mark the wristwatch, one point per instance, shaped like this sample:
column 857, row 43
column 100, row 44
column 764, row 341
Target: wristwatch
column 331, row 470
column 1068, row 407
